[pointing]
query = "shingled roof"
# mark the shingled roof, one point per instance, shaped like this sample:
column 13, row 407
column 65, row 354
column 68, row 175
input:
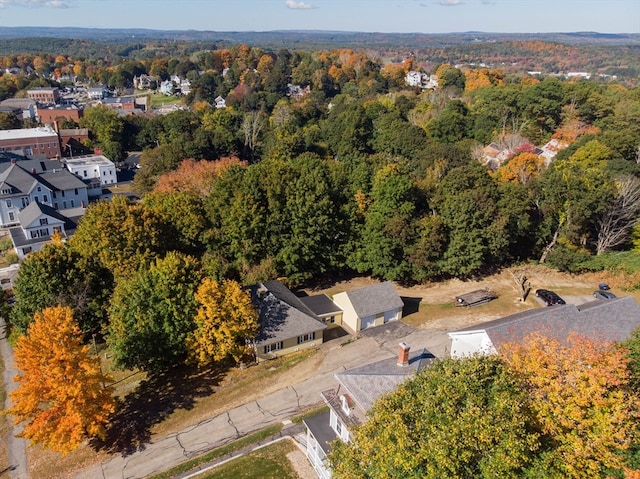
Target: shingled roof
column 611, row 321
column 375, row 299
column 281, row 314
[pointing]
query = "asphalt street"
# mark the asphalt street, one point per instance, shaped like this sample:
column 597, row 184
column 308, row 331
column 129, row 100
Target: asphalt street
column 279, row 406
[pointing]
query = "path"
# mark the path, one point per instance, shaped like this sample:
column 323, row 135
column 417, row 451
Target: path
column 278, row 406
column 16, row 446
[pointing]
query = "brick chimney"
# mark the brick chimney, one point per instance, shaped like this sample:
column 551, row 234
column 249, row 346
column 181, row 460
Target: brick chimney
column 403, row 354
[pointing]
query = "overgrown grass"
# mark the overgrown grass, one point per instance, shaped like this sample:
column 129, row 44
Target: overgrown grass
column 220, row 452
column 267, row 463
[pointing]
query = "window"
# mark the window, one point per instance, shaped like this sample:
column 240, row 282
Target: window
column 73, row 204
column 75, row 191
column 44, row 221
column 11, row 216
column 62, row 192
column 53, row 193
column 55, row 205
column 39, row 189
column 339, row 428
column 64, row 205
column 273, row 347
column 306, row 338
column 8, row 203
column 45, row 199
column 25, row 202
column 84, row 173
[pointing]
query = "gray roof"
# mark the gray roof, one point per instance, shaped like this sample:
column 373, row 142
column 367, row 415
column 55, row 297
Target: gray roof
column 320, row 427
column 63, row 180
column 603, row 320
column 278, row 319
column 368, row 383
column 16, row 179
column 36, row 209
column 320, row 304
column 283, row 293
column 375, row 299
column 36, row 163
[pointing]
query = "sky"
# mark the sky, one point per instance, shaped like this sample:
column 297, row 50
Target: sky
column 400, row 16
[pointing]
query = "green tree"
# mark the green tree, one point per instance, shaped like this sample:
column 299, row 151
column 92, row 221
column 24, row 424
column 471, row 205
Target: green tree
column 58, row 275
column 120, row 235
column 107, row 131
column 153, row 313
column 455, row 419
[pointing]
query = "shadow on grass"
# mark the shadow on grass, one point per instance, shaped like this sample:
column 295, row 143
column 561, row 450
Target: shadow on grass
column 151, row 403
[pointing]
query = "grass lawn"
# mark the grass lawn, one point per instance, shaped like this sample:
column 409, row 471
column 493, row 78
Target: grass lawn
column 270, row 462
column 159, row 99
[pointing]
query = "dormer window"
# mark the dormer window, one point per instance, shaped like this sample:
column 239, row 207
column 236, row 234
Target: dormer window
column 347, row 404
column 44, row 221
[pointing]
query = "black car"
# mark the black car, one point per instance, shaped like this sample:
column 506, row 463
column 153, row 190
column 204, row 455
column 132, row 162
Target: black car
column 549, row 297
column 603, row 295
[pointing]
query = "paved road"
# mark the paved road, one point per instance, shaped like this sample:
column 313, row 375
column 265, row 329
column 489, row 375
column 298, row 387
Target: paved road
column 17, row 447
column 281, row 405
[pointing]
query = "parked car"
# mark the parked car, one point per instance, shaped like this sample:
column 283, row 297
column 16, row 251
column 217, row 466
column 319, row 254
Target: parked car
column 549, row 297
column 603, row 287
column 603, row 295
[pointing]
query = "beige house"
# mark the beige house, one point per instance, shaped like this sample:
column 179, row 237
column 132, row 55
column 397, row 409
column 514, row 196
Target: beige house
column 368, row 307
column 287, row 324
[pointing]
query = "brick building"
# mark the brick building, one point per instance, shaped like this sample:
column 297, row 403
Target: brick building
column 58, row 113
column 44, row 96
column 31, row 141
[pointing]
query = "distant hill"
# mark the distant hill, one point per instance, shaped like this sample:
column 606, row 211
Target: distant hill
column 311, row 39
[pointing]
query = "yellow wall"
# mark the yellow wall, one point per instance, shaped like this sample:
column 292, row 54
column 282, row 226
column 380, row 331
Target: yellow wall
column 289, row 346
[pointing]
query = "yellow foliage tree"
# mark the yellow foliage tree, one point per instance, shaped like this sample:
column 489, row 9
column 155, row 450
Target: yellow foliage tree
column 226, row 320
column 60, row 396
column 580, row 401
column 521, row 168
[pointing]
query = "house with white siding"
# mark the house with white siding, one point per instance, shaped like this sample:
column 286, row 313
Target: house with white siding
column 370, row 306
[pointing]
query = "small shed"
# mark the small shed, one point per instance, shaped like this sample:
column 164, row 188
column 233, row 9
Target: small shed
column 474, row 298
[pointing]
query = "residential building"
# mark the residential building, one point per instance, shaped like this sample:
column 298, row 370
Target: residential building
column 37, row 224
column 44, row 95
column 97, row 92
column 611, row 320
column 26, row 181
column 287, row 324
column 167, row 87
column 371, row 306
column 96, row 171
column 220, row 102
column 31, row 141
column 356, row 392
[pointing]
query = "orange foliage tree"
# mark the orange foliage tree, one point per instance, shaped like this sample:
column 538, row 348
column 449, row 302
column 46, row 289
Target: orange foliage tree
column 580, row 401
column 60, row 396
column 195, row 177
column 521, row 168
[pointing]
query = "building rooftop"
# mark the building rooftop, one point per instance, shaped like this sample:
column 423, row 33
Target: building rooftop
column 375, row 299
column 40, row 132
column 86, row 160
column 320, row 304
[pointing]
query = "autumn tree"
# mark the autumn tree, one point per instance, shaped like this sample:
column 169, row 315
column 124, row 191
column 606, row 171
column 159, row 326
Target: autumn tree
column 226, row 320
column 456, row 419
column 60, row 397
column 580, row 403
column 522, row 168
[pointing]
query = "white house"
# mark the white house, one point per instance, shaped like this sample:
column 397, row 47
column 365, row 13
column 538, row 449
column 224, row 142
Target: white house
column 38, row 223
column 95, row 170
column 167, row 87
column 26, row 181
column 371, row 306
column 97, row 92
column 611, row 320
column 353, row 397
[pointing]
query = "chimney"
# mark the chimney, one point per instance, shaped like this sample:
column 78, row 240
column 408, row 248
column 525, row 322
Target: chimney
column 403, row 354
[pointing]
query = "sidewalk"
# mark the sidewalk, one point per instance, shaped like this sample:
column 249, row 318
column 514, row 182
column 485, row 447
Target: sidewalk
column 278, row 406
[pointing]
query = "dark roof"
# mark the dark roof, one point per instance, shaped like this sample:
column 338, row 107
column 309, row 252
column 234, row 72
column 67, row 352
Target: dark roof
column 38, row 164
column 63, row 180
column 285, row 294
column 320, row 427
column 320, row 304
column 36, row 209
column 375, row 299
column 278, row 319
column 612, row 320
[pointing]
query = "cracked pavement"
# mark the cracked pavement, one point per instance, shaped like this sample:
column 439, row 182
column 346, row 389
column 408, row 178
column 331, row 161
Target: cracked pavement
column 164, row 453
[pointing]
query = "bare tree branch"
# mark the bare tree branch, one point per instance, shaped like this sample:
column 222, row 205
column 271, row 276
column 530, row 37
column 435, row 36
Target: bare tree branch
column 616, row 223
